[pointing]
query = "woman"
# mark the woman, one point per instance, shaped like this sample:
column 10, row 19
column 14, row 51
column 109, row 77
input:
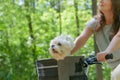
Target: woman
column 106, row 27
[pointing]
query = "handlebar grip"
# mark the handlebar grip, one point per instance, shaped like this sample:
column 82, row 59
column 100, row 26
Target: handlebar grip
column 109, row 56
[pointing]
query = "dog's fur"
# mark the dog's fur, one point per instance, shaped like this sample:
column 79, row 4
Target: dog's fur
column 61, row 46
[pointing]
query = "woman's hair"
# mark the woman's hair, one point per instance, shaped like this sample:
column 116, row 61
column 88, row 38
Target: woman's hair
column 116, row 18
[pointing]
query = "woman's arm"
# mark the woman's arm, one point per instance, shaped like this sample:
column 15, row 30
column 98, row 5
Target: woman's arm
column 113, row 46
column 81, row 39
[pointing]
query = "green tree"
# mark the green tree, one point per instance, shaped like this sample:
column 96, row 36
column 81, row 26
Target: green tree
column 28, row 26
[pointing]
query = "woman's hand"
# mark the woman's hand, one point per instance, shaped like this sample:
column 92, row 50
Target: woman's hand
column 101, row 56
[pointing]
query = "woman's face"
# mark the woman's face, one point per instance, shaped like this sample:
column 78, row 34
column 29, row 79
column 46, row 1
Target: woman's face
column 104, row 5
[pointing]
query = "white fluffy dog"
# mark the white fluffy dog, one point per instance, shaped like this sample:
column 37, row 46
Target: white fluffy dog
column 61, row 46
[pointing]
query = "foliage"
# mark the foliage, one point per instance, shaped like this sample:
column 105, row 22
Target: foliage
column 26, row 28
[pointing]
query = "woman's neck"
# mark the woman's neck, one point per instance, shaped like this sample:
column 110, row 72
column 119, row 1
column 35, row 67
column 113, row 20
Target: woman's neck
column 108, row 17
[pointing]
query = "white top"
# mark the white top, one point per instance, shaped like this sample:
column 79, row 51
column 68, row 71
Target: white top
column 102, row 41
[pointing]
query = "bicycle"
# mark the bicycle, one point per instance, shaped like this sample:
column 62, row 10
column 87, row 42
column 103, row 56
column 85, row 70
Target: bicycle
column 83, row 64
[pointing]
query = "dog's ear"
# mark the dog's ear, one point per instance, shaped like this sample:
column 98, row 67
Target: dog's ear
column 70, row 41
column 69, row 38
column 71, row 46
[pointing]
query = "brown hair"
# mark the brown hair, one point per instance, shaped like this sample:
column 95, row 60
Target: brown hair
column 116, row 18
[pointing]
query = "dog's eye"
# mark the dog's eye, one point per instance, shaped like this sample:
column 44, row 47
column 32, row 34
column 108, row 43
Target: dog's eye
column 59, row 44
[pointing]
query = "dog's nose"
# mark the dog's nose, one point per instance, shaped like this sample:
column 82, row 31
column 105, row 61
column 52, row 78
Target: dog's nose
column 52, row 46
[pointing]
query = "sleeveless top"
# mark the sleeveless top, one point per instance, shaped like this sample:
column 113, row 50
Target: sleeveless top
column 102, row 41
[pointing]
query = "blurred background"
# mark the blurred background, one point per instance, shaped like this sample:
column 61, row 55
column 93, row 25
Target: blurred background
column 28, row 26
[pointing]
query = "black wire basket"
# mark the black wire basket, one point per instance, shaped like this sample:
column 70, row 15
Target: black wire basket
column 50, row 69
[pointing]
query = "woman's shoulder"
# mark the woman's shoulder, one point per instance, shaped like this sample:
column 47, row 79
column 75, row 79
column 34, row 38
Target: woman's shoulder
column 92, row 23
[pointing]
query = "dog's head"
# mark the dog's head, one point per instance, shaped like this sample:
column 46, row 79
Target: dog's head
column 61, row 46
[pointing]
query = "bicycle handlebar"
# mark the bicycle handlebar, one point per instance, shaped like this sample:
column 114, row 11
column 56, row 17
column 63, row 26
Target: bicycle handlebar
column 83, row 63
column 109, row 56
column 93, row 60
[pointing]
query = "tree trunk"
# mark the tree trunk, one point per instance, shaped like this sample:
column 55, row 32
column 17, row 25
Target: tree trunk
column 94, row 7
column 60, row 20
column 30, row 27
column 99, row 74
column 76, row 16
